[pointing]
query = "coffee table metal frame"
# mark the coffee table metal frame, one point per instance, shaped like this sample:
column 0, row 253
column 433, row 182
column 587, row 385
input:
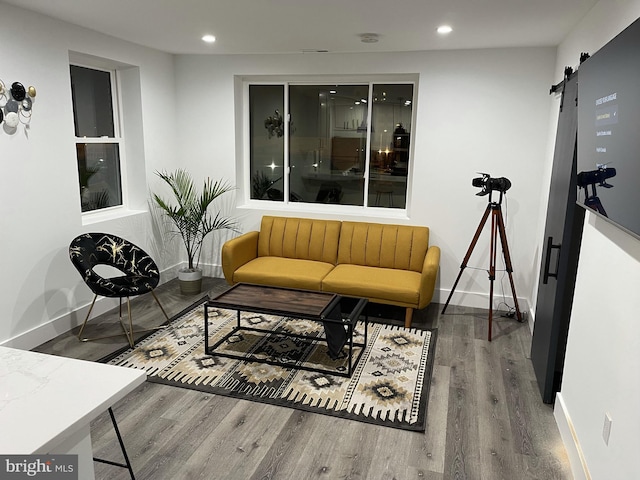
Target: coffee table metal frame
column 328, row 311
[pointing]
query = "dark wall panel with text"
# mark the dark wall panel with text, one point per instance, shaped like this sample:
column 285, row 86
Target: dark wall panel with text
column 609, row 131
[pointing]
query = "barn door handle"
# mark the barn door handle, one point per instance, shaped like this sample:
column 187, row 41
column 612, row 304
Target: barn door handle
column 547, row 261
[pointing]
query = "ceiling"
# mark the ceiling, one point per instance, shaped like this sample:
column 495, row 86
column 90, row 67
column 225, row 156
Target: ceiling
column 294, row 26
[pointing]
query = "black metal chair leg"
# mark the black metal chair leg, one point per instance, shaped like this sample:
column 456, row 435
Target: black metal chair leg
column 126, row 465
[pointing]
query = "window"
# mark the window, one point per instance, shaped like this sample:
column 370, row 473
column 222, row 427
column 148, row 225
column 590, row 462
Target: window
column 98, row 149
column 313, row 143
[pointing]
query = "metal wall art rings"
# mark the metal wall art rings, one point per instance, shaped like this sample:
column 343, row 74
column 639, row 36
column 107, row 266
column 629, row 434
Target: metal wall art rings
column 16, row 104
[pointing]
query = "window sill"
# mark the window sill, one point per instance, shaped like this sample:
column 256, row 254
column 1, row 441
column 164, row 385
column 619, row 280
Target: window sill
column 92, row 218
column 337, row 211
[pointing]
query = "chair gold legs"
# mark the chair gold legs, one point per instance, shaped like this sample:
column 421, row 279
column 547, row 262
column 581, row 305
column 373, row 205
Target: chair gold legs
column 159, row 304
column 87, row 318
column 127, row 331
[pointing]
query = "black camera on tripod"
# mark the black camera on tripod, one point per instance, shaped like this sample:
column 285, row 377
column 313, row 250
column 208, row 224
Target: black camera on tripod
column 498, row 236
column 598, row 176
column 489, row 184
column 591, row 178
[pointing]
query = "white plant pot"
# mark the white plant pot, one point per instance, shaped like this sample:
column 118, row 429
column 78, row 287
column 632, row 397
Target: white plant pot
column 190, row 281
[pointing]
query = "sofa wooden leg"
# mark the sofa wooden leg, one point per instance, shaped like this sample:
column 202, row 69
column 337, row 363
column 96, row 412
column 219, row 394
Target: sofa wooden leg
column 407, row 317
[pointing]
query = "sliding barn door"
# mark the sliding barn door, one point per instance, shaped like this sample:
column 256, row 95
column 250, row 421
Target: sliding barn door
column 563, row 232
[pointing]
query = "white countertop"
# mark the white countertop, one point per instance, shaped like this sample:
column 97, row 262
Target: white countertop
column 44, row 399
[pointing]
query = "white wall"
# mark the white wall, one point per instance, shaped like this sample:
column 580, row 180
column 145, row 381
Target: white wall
column 602, row 365
column 480, row 110
column 40, row 210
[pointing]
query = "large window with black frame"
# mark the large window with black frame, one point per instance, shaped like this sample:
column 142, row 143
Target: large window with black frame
column 345, row 144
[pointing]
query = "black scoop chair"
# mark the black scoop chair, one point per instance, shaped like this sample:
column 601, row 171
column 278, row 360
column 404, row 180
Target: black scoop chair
column 140, row 272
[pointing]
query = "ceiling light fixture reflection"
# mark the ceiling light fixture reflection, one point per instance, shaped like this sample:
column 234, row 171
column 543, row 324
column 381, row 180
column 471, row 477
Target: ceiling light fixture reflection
column 369, row 37
column 444, row 29
column 208, row 39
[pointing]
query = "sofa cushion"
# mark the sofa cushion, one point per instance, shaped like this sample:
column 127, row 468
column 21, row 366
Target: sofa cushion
column 382, row 285
column 283, row 272
column 380, row 245
column 300, row 238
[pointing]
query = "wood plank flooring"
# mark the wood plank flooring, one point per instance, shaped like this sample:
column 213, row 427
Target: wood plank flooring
column 485, row 417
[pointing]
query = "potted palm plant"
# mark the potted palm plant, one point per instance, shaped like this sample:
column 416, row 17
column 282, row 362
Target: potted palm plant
column 192, row 219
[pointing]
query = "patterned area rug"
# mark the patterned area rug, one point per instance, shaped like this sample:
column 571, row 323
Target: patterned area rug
column 389, row 386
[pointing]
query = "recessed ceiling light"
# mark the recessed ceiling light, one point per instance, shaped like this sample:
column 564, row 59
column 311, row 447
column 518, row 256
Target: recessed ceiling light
column 209, row 39
column 369, row 38
column 444, row 29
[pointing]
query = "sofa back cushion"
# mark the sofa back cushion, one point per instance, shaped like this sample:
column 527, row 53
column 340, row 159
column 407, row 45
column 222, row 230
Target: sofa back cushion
column 301, row 238
column 379, row 245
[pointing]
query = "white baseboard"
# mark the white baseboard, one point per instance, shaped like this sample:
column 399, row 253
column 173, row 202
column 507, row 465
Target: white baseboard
column 570, row 440
column 208, row 270
column 480, row 300
column 65, row 322
column 57, row 326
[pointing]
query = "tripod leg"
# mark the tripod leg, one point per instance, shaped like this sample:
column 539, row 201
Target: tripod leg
column 468, row 255
column 455, row 284
column 595, row 204
column 492, row 266
column 507, row 262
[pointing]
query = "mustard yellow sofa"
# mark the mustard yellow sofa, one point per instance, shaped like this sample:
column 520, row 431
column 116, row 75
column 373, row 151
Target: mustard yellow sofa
column 388, row 264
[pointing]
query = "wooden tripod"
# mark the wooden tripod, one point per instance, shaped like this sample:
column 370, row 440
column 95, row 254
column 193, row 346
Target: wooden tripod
column 497, row 226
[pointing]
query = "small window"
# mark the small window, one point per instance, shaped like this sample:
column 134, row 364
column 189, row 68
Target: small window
column 98, row 140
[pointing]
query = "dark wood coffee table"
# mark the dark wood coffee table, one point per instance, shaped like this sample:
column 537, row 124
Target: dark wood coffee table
column 329, row 308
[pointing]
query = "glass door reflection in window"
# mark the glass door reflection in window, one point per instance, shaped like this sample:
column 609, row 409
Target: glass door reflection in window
column 327, row 146
column 390, row 140
column 267, row 124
